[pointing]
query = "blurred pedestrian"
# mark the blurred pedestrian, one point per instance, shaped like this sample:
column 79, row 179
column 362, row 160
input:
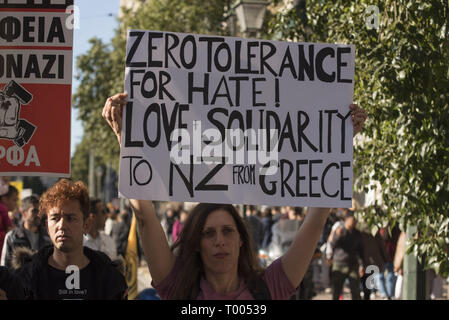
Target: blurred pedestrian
column 120, row 233
column 267, row 224
column 67, row 270
column 284, row 231
column 111, row 219
column 338, row 222
column 374, row 257
column 386, row 284
column 96, row 238
column 347, row 258
column 179, row 224
column 326, row 253
column 16, row 217
column 255, row 228
column 30, row 233
column 4, row 185
column 8, row 202
column 168, row 220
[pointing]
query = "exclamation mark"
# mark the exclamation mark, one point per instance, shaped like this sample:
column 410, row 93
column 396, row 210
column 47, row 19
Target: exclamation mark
column 276, row 93
column 321, row 131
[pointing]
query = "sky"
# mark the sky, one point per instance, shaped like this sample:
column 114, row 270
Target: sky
column 98, row 18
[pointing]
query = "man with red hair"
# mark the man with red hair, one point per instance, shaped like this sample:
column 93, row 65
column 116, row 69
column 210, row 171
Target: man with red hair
column 67, row 270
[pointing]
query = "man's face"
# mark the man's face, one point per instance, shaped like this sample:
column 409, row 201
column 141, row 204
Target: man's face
column 100, row 216
column 291, row 213
column 350, row 223
column 66, row 226
column 31, row 216
column 11, row 201
column 170, row 213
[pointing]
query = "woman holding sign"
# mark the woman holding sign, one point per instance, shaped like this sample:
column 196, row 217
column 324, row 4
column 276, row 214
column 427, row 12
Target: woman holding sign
column 213, row 257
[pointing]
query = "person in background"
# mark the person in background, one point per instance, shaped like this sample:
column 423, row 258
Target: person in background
column 15, row 217
column 347, row 258
column 284, row 231
column 120, row 233
column 168, row 220
column 96, row 238
column 4, row 185
column 340, row 214
column 255, row 227
column 374, row 257
column 386, row 284
column 111, row 219
column 8, row 202
column 29, row 234
column 326, row 256
column 267, row 223
column 179, row 224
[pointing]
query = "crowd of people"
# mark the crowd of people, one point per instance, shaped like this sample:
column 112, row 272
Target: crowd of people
column 62, row 228
column 346, row 254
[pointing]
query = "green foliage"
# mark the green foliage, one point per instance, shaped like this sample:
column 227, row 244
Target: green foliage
column 80, row 162
column 402, row 80
column 94, row 72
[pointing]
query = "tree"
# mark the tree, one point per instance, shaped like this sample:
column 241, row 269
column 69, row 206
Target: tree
column 402, row 76
column 80, row 162
column 187, row 16
column 94, row 72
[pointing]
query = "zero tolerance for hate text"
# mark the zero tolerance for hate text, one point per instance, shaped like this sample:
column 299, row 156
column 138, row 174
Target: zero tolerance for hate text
column 223, row 57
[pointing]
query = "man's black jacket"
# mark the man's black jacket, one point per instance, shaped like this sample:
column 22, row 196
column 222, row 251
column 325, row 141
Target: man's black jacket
column 18, row 239
column 109, row 282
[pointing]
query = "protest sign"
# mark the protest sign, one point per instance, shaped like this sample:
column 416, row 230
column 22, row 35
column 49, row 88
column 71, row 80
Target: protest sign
column 231, row 120
column 36, row 39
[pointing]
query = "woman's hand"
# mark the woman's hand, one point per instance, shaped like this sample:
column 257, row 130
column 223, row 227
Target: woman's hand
column 358, row 116
column 112, row 113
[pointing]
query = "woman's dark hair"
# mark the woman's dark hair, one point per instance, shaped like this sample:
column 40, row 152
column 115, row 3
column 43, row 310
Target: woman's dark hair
column 186, row 248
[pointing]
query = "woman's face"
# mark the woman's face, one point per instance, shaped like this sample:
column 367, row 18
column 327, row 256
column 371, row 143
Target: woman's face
column 220, row 243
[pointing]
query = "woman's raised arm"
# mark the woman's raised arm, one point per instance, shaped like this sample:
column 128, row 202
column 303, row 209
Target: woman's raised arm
column 154, row 242
column 297, row 258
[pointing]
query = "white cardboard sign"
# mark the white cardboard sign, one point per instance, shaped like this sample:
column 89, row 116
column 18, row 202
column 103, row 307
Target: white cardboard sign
column 232, row 120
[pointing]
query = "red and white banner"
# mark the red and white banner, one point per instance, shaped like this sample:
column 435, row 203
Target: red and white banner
column 36, row 40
